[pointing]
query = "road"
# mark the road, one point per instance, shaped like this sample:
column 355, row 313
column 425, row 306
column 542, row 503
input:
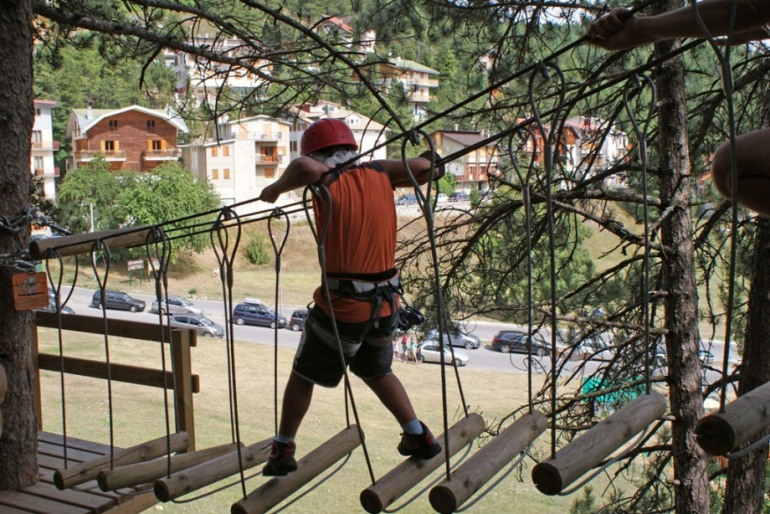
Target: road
column 483, row 358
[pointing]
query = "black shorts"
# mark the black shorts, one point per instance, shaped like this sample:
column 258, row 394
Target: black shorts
column 318, row 356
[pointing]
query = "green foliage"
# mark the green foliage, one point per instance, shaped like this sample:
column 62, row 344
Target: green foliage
column 133, row 199
column 256, row 250
column 586, row 504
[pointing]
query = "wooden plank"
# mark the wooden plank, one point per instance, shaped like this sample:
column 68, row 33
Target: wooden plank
column 83, row 499
column 31, row 503
column 74, row 454
column 10, row 510
column 186, row 383
column 139, row 330
column 117, row 372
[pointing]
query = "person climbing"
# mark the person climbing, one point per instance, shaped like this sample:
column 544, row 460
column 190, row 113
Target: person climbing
column 359, row 255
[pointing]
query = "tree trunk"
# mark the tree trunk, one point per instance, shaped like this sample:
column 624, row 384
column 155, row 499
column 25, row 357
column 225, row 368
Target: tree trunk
column 18, row 466
column 690, row 472
column 746, row 475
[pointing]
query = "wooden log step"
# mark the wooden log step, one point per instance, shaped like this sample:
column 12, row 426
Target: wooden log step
column 487, row 462
column 196, row 477
column 596, row 444
column 144, row 472
column 277, row 489
column 378, row 496
column 149, row 450
column 721, row 432
column 82, row 243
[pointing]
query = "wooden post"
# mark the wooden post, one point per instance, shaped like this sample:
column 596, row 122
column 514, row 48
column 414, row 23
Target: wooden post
column 89, row 470
column 403, row 477
column 143, row 472
column 485, row 463
column 277, row 489
column 588, row 450
column 720, row 432
column 181, row 342
column 196, row 477
column 82, row 243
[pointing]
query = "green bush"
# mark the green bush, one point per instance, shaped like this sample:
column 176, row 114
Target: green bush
column 256, row 250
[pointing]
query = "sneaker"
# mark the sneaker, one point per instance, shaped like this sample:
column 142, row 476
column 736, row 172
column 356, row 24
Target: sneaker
column 422, row 446
column 281, row 461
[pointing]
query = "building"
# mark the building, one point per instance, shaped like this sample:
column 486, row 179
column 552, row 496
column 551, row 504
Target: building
column 417, row 80
column 472, row 171
column 132, row 138
column 335, row 28
column 595, row 145
column 42, row 162
column 249, row 154
column 200, row 81
column 368, row 133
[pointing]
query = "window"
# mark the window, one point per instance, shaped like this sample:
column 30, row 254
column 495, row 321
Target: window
column 37, row 137
column 39, row 164
column 109, row 146
column 113, row 124
column 269, row 172
column 157, row 144
column 151, row 126
column 293, row 146
column 215, row 174
column 38, row 112
column 214, row 151
column 226, row 173
column 226, row 151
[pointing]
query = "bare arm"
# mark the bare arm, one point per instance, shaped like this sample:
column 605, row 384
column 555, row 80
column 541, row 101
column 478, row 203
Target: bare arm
column 619, row 31
column 300, row 172
column 420, row 167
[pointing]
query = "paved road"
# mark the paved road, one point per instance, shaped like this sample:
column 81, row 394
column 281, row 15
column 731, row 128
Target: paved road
column 482, row 358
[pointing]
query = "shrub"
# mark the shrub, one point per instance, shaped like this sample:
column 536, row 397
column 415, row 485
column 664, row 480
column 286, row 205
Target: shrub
column 256, row 250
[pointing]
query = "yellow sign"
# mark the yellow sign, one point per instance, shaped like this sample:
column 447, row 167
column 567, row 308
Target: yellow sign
column 30, row 291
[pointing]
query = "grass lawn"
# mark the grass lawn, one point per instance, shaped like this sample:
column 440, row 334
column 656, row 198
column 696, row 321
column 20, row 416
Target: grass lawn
column 139, row 415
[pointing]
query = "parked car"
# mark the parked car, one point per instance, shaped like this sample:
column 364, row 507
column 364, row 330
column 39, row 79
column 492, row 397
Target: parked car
column 459, row 196
column 430, row 352
column 406, row 199
column 117, row 300
column 441, row 198
column 176, row 305
column 598, row 347
column 202, row 325
column 51, row 307
column 455, row 338
column 297, row 320
column 516, row 341
column 257, row 314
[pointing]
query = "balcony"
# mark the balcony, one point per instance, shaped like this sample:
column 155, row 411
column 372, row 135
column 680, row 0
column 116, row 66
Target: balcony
column 108, row 155
column 169, row 154
column 269, row 159
column 265, row 136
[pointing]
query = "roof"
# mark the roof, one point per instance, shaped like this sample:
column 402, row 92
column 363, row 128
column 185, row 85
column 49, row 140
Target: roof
column 361, row 123
column 466, row 138
column 88, row 118
column 406, row 64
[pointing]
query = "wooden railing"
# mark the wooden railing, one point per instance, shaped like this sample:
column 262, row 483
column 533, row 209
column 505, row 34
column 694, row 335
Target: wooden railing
column 180, row 378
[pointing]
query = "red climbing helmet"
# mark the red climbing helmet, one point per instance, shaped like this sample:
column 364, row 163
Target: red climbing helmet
column 324, row 133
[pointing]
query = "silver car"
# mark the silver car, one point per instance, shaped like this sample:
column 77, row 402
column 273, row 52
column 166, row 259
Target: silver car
column 202, row 325
column 430, row 352
column 176, row 305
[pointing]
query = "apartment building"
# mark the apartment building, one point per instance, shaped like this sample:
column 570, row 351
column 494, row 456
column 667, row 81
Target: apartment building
column 131, row 138
column 247, row 155
column 473, row 169
column 42, row 163
column 417, row 80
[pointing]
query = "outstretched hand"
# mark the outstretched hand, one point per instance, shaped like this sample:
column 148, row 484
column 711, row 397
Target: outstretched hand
column 616, row 30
